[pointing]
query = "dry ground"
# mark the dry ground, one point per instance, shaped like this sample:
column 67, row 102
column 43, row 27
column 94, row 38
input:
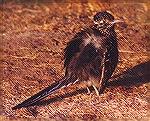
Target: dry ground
column 33, row 36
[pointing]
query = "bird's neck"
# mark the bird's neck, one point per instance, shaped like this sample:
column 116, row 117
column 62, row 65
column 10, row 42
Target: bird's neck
column 104, row 31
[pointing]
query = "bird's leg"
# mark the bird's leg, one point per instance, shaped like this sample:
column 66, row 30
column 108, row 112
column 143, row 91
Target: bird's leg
column 95, row 84
column 87, row 85
column 88, row 90
column 96, row 90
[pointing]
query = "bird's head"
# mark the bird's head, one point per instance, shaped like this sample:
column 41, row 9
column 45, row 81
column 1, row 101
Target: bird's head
column 104, row 21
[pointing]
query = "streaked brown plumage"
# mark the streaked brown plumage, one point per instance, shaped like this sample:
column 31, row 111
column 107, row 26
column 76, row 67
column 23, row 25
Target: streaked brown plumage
column 91, row 56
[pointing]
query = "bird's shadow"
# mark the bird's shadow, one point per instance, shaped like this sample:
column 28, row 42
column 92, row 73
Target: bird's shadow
column 137, row 75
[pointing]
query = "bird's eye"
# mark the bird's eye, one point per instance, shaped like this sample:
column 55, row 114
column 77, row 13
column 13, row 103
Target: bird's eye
column 95, row 22
column 101, row 22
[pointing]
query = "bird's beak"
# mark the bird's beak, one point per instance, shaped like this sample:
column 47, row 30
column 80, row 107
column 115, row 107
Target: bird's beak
column 117, row 21
column 122, row 23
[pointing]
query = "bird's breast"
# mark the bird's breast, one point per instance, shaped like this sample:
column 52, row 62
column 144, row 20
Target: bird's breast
column 97, row 41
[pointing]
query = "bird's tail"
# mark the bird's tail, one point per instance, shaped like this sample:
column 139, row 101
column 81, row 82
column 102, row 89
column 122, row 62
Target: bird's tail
column 67, row 80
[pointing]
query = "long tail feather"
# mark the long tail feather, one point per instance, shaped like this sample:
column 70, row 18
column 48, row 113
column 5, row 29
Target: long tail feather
column 45, row 92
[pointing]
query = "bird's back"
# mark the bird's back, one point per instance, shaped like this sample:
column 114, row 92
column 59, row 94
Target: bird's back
column 85, row 52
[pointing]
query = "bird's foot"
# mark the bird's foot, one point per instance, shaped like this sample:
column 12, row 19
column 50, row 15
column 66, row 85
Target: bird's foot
column 96, row 90
column 88, row 91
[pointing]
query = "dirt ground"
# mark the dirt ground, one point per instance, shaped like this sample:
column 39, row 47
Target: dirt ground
column 33, row 36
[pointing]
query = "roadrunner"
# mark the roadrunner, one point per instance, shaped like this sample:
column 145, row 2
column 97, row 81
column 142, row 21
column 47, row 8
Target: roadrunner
column 91, row 56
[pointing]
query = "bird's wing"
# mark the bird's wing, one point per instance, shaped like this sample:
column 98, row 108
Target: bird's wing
column 72, row 48
column 88, row 55
column 81, row 44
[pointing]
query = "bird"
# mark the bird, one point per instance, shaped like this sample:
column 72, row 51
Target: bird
column 91, row 56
